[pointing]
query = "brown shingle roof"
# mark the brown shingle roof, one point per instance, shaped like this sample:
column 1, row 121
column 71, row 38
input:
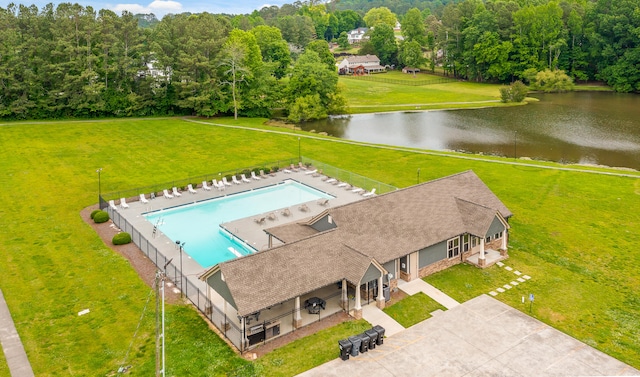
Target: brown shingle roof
column 380, row 228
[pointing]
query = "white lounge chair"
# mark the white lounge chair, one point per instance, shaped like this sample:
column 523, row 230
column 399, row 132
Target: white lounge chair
column 302, row 166
column 370, row 193
column 206, row 186
column 260, row 220
column 263, row 175
column 143, row 200
column 272, row 216
column 112, row 204
column 357, row 190
column 244, row 178
column 235, row 180
column 331, row 180
column 254, row 176
column 286, row 212
column 123, row 203
column 303, row 208
column 225, row 182
column 166, row 194
column 286, row 171
column 191, row 190
column 175, row 191
column 293, row 168
column 323, row 202
column 219, row 185
column 311, row 172
column 343, row 184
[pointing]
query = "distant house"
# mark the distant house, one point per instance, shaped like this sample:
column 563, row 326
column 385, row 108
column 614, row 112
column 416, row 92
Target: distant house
column 360, row 65
column 410, row 70
column 356, row 36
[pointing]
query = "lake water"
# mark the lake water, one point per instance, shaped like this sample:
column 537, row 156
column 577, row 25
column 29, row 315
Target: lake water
column 581, row 127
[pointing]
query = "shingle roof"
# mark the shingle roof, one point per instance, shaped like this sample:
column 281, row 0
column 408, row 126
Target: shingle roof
column 361, row 59
column 380, row 228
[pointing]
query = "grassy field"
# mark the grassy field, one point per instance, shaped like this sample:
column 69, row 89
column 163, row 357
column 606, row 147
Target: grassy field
column 576, row 234
column 366, row 96
column 413, row 309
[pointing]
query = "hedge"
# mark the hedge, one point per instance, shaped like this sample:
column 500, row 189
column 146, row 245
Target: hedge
column 121, row 238
column 101, row 217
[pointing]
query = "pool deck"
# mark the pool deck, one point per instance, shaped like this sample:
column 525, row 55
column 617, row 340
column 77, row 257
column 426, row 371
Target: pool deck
column 246, row 229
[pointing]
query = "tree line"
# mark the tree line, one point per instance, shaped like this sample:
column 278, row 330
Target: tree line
column 74, row 61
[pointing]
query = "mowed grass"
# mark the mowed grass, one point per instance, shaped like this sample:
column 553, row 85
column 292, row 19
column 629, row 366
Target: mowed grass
column 576, row 234
column 306, row 353
column 371, row 96
column 413, row 309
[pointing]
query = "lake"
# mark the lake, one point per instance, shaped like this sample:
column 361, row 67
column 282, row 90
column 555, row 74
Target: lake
column 579, row 127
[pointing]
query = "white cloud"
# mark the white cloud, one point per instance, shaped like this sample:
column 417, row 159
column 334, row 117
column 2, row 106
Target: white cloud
column 157, row 7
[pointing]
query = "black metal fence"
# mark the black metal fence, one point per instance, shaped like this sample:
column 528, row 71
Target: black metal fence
column 408, row 82
column 225, row 324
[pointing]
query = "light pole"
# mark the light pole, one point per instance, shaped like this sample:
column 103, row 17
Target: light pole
column 99, row 189
column 418, row 179
column 181, row 273
column 515, row 145
column 299, row 155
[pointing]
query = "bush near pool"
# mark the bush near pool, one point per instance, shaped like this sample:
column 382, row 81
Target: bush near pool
column 121, row 238
column 101, row 217
column 93, row 213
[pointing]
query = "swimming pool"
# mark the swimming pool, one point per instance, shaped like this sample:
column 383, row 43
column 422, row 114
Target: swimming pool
column 198, row 224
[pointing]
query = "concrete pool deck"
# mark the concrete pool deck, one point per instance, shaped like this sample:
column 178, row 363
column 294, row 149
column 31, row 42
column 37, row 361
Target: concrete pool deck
column 481, row 337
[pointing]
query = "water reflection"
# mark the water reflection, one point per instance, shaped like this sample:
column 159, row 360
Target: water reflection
column 596, row 128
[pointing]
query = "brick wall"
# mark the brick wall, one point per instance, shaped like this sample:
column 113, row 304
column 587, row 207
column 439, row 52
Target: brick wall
column 438, row 266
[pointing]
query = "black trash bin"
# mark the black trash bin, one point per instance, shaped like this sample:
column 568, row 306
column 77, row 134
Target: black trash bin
column 345, row 348
column 356, row 342
column 364, row 346
column 380, row 330
column 373, row 338
column 387, row 292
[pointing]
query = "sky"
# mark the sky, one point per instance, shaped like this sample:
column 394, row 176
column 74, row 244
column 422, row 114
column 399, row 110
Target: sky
column 163, row 7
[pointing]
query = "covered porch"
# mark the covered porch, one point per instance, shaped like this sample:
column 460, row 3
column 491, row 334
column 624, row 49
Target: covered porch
column 491, row 257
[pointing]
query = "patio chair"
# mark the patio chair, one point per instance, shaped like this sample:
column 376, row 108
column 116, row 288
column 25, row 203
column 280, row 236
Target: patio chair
column 292, row 167
column 254, row 176
column 317, row 174
column 166, row 194
column 332, row 180
column 311, row 172
column 260, row 220
column 303, row 208
column 302, row 166
column 370, row 193
column 112, row 204
column 323, row 202
column 272, row 216
column 244, row 178
column 357, row 190
column 143, row 200
column 206, row 186
column 235, row 180
column 225, row 182
column 191, row 190
column 219, row 185
column 123, row 203
column 263, row 175
column 286, row 171
column 286, row 212
column 175, row 191
column 343, row 184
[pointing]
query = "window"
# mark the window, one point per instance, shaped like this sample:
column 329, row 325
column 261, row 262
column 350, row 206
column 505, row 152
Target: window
column 465, row 243
column 487, row 240
column 474, row 241
column 453, row 247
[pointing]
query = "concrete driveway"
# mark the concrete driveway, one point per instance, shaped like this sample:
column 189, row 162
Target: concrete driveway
column 481, row 337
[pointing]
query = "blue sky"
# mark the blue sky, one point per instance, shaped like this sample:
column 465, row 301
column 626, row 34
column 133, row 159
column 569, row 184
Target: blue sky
column 162, row 7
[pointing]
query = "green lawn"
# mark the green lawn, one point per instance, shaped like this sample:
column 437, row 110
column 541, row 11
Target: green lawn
column 413, row 309
column 576, row 234
column 306, row 353
column 369, row 96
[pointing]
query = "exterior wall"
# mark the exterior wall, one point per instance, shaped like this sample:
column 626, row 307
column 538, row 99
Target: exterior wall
column 372, row 274
column 496, row 227
column 323, row 224
column 494, row 244
column 215, row 282
column 432, row 254
column 391, row 267
column 439, row 266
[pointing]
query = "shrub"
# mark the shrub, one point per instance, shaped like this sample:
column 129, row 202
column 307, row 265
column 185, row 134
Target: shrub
column 93, row 213
column 101, row 217
column 515, row 92
column 121, row 238
column 275, row 169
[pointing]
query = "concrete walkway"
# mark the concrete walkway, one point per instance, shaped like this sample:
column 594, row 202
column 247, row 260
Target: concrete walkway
column 375, row 316
column 17, row 360
column 419, row 285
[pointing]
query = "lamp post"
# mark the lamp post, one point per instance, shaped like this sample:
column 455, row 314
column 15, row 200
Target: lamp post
column 299, row 155
column 515, row 145
column 179, row 247
column 418, row 179
column 99, row 189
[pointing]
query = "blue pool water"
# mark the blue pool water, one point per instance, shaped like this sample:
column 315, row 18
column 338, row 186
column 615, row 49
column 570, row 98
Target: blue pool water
column 198, row 225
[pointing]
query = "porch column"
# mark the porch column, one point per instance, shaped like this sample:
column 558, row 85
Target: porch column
column 344, row 301
column 270, row 242
column 481, row 259
column 297, row 317
column 504, row 240
column 380, row 299
column 357, row 310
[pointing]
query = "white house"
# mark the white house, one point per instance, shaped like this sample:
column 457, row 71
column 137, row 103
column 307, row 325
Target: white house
column 356, row 36
column 360, row 65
